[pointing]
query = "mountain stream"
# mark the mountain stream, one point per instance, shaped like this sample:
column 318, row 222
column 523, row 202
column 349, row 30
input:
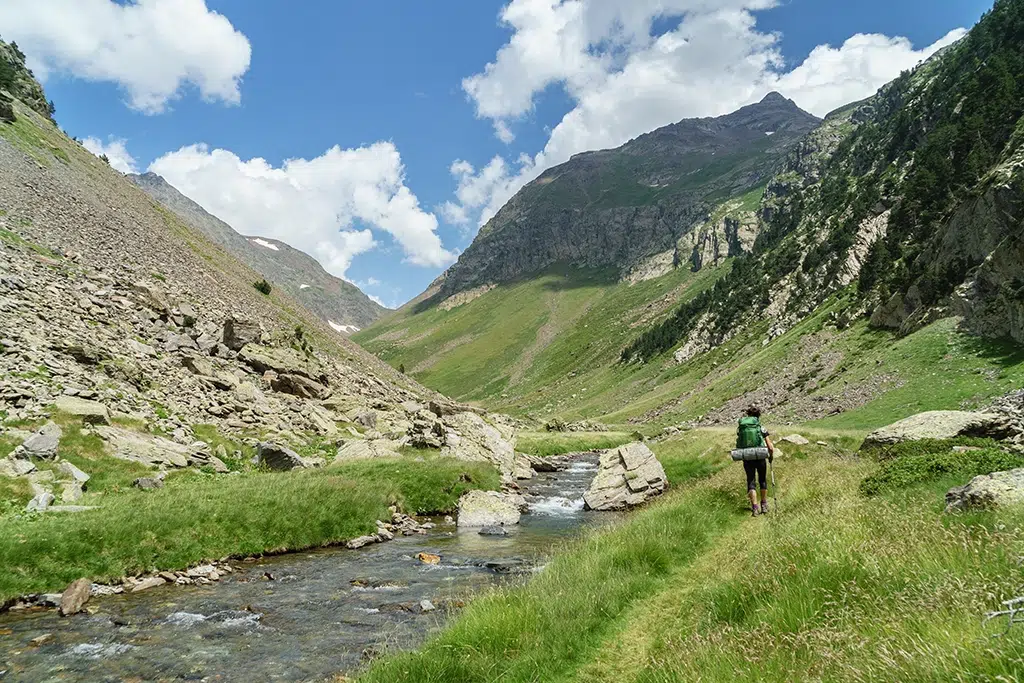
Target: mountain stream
column 298, row 617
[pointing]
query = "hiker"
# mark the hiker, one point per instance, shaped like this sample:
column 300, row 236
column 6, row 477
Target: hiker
column 751, row 434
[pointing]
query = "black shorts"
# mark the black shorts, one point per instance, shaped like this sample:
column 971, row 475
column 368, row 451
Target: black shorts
column 759, row 468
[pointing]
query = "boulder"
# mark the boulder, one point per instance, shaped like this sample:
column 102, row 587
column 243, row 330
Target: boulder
column 281, row 459
column 147, row 583
column 16, row 467
column 149, row 483
column 300, row 386
column 474, row 439
column 367, row 419
column 941, row 424
column 43, row 444
column 362, row 450
column 998, row 489
column 199, row 366
column 73, row 600
column 151, row 296
column 281, row 361
column 238, row 333
column 796, row 440
column 40, row 502
column 627, row 476
column 68, row 470
column 489, row 508
column 153, row 451
column 71, row 492
column 91, row 412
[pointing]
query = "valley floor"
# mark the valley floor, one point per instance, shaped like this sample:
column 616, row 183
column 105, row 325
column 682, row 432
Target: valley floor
column 836, row 585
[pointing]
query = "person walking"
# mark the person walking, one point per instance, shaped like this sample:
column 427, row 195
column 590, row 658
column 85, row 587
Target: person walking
column 751, row 434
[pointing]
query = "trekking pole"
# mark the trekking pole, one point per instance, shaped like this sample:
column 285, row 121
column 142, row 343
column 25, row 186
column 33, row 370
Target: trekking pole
column 775, row 488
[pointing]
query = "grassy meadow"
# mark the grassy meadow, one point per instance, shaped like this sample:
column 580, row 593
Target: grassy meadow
column 837, row 585
column 199, row 516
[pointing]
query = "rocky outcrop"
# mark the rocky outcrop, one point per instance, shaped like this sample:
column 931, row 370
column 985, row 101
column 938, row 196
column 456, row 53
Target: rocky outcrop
column 490, row 509
column 627, row 476
column 359, row 449
column 942, row 424
column 999, row 489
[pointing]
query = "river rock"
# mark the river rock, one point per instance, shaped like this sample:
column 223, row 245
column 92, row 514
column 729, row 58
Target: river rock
column 73, row 600
column 361, row 542
column 941, row 424
column 493, row 531
column 998, row 489
column 147, row 583
column 627, row 476
column 281, row 459
column 43, row 444
column 428, row 558
column 91, row 412
column 489, row 508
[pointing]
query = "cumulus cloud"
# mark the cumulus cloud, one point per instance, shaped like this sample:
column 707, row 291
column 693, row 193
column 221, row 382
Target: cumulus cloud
column 151, row 48
column 624, row 80
column 116, row 151
column 328, row 207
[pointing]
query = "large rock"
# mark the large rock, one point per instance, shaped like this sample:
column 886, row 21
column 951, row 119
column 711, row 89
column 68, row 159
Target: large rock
column 489, row 508
column 238, row 333
column 40, row 502
column 300, row 386
column 941, row 424
column 43, row 444
column 151, row 296
column 73, row 600
column 362, row 450
column 281, row 459
column 473, row 438
column 281, row 361
column 628, row 476
column 998, row 489
column 91, row 412
column 16, row 467
column 153, row 451
column 69, row 471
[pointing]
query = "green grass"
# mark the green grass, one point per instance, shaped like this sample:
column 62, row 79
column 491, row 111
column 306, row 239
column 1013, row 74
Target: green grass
column 836, row 587
column 557, row 443
column 212, row 436
column 908, row 465
column 197, row 517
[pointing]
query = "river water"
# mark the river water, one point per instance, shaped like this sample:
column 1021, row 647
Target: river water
column 298, row 617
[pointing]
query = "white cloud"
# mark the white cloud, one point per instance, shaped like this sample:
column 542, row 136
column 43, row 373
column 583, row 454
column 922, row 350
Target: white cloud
column 503, row 132
column 624, row 81
column 151, row 48
column 116, row 151
column 327, row 207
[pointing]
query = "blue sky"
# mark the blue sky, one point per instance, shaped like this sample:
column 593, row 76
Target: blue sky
column 385, row 83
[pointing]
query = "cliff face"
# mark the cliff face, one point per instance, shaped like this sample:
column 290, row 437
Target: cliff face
column 619, row 208
column 335, row 301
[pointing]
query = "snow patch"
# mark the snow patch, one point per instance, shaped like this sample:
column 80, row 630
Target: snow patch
column 344, row 329
column 770, row 133
column 264, row 243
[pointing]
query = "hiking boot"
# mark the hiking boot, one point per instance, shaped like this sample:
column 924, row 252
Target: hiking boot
column 753, row 509
column 764, row 508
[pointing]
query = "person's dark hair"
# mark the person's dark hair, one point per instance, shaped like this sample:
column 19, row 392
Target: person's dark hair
column 753, row 411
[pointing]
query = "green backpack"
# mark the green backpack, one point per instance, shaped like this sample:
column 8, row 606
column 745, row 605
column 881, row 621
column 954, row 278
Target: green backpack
column 748, row 434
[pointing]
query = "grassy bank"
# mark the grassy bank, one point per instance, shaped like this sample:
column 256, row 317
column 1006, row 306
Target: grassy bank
column 199, row 516
column 838, row 586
